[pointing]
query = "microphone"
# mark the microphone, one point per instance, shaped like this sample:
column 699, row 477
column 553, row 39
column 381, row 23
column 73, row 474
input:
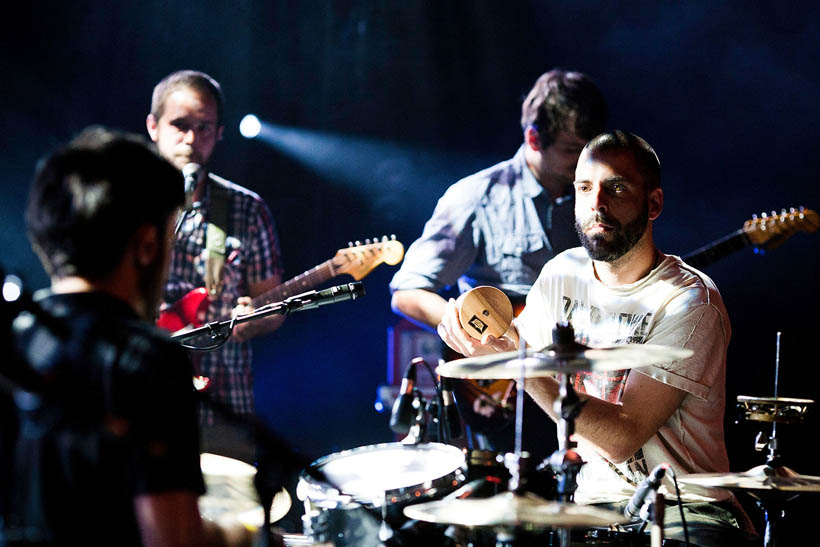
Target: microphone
column 193, row 173
column 313, row 299
column 649, row 484
column 451, row 415
column 401, row 417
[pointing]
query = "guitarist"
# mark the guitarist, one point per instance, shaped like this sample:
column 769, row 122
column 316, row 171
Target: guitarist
column 226, row 242
column 500, row 226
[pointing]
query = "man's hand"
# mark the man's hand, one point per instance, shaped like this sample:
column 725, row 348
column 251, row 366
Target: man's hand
column 245, row 331
column 454, row 335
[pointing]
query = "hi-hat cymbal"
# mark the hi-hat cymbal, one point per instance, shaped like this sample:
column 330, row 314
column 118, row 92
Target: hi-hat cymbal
column 231, row 495
column 510, row 509
column 760, row 478
column 507, row 365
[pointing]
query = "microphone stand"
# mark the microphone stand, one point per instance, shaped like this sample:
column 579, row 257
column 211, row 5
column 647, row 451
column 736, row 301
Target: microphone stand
column 215, row 329
column 305, row 301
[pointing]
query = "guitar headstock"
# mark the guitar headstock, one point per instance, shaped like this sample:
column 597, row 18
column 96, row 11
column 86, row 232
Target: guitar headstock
column 359, row 259
column 770, row 230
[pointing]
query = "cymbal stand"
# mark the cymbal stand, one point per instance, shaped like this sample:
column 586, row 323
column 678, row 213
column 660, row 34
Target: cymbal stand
column 565, row 462
column 773, row 506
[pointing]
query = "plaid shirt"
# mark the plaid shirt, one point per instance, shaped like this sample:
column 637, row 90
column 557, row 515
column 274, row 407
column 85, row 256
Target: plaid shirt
column 252, row 256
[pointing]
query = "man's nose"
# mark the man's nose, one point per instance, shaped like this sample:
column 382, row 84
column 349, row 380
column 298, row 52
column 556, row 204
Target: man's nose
column 189, row 137
column 599, row 200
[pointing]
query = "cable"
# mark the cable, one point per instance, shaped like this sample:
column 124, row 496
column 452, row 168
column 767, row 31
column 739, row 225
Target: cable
column 680, row 506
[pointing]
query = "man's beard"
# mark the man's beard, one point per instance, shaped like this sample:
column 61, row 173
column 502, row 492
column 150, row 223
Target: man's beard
column 623, row 237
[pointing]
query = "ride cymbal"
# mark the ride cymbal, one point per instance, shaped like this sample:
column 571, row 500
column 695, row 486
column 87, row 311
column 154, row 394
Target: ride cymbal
column 760, row 478
column 508, row 365
column 511, row 510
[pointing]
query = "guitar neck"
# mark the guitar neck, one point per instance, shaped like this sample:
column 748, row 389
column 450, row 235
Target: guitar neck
column 299, row 284
column 711, row 253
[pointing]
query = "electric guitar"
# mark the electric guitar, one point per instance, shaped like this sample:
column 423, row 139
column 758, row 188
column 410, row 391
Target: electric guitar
column 489, row 405
column 356, row 261
column 765, row 232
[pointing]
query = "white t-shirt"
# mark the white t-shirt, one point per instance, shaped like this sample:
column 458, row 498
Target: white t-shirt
column 674, row 305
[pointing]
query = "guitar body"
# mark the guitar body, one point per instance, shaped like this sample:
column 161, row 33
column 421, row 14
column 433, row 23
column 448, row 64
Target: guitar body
column 188, row 311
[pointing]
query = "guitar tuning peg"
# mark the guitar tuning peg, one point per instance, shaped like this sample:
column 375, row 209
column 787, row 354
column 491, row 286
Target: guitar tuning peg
column 367, row 241
column 376, row 239
column 349, row 243
column 393, row 237
column 774, row 213
column 754, row 216
column 764, row 215
column 358, row 243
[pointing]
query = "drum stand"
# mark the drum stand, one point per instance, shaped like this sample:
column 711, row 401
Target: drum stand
column 565, row 462
column 774, row 410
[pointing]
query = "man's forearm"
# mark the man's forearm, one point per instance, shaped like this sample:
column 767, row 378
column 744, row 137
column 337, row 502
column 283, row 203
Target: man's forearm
column 419, row 305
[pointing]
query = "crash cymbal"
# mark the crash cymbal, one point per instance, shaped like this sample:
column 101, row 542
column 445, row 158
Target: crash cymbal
column 760, row 478
column 773, row 409
column 510, row 509
column 231, row 496
column 507, row 365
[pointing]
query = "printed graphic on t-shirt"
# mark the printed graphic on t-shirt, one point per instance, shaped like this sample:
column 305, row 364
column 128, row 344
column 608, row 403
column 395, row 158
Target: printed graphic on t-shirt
column 610, row 328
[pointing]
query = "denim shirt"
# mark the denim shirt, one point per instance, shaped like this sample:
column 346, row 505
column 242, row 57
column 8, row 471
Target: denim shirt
column 497, row 227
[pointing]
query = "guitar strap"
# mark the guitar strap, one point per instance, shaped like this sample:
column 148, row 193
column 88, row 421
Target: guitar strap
column 215, row 237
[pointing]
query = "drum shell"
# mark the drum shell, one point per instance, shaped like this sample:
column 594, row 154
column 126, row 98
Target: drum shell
column 354, row 519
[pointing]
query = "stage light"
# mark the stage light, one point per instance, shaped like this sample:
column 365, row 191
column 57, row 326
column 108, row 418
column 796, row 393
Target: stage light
column 250, row 126
column 12, row 288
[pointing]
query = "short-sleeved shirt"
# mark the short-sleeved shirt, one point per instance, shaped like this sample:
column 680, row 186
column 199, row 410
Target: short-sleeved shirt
column 115, row 418
column 252, row 255
column 674, row 305
column 496, row 227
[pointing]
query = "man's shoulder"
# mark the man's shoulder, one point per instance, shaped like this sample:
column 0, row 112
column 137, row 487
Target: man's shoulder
column 573, row 258
column 233, row 189
column 473, row 187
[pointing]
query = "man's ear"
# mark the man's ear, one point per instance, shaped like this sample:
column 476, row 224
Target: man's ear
column 219, row 133
column 655, row 203
column 532, row 139
column 151, row 126
column 146, row 244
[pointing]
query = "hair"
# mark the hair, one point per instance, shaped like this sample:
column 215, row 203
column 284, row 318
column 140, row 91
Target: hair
column 191, row 79
column 644, row 155
column 89, row 197
column 563, row 100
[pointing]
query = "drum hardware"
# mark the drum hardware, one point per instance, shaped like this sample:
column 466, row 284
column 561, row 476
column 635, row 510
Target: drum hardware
column 771, row 485
column 414, row 415
column 520, row 510
column 374, row 483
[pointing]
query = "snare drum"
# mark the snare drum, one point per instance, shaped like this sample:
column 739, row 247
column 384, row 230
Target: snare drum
column 374, row 484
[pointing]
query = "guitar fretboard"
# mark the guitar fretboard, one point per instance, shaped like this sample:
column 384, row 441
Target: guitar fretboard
column 299, row 284
column 711, row 253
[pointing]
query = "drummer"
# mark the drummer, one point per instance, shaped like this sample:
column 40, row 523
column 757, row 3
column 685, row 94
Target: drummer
column 620, row 288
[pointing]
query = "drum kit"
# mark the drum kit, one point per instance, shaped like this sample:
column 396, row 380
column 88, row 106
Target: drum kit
column 410, row 492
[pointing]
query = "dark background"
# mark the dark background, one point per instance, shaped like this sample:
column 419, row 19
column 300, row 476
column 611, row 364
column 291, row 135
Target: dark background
column 397, row 101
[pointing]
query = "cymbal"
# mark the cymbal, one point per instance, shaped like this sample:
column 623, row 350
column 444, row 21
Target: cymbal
column 507, row 365
column 231, row 495
column 773, row 409
column 760, row 478
column 510, row 509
